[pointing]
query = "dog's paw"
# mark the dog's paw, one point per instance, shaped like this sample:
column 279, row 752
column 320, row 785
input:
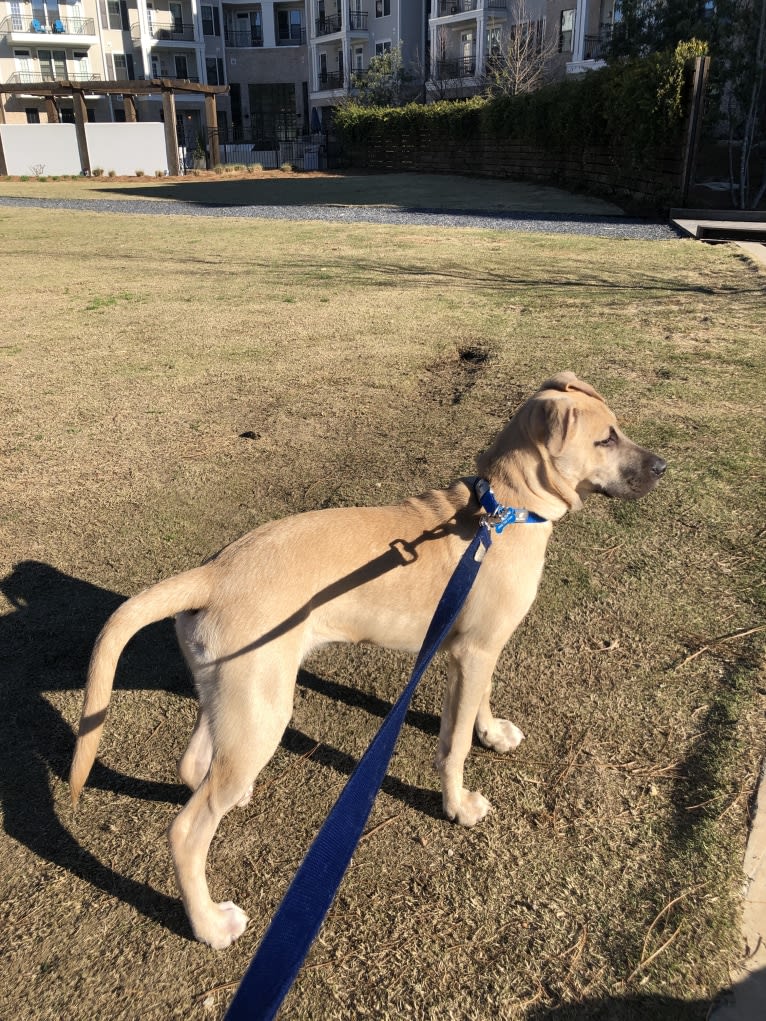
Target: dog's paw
column 226, row 923
column 501, row 736
column 473, row 808
column 245, row 799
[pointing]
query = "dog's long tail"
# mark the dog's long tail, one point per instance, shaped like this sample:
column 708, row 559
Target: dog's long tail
column 187, row 591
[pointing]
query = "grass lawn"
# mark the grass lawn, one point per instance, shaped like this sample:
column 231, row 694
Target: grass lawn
column 272, row 187
column 168, row 383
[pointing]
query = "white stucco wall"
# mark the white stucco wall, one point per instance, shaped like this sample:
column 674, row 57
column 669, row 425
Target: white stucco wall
column 52, row 148
column 126, row 148
column 29, row 147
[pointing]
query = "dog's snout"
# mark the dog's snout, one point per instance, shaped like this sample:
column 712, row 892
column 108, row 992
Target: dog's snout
column 658, row 466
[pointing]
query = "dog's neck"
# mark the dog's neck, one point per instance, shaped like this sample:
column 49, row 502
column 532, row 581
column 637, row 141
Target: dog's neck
column 520, row 480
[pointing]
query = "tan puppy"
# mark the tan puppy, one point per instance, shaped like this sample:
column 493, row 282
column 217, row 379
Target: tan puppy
column 248, row 617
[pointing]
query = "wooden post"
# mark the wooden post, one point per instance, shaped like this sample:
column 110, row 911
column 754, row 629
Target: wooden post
column 80, row 117
column 211, row 116
column 701, row 68
column 51, row 110
column 171, row 138
column 129, row 105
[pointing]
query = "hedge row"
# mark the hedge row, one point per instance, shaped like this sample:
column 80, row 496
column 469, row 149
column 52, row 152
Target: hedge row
column 635, row 108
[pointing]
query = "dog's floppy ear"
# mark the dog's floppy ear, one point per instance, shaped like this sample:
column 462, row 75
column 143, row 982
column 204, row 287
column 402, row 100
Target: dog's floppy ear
column 567, row 381
column 553, row 420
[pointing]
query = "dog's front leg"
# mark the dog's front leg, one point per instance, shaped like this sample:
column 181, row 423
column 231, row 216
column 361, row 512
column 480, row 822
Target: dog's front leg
column 469, row 675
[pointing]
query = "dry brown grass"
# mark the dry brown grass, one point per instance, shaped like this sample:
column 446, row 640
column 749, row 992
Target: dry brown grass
column 168, row 384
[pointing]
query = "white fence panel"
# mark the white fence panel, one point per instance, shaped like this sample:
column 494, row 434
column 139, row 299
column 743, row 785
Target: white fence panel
column 126, row 148
column 47, row 149
column 40, row 149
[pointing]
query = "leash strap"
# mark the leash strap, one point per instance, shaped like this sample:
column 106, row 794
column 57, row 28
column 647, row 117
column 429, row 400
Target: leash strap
column 301, row 913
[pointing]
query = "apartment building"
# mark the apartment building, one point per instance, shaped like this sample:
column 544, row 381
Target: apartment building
column 286, row 62
column 346, row 34
column 466, row 35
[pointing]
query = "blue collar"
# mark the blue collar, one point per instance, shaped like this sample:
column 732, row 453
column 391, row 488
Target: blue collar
column 499, row 516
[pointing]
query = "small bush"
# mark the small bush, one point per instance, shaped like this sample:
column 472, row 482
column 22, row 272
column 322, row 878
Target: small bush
column 219, row 168
column 140, row 173
column 287, row 168
column 159, row 173
column 112, row 173
column 97, row 172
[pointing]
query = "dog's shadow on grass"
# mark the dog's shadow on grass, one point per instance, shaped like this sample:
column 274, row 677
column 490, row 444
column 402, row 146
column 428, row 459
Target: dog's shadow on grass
column 45, row 644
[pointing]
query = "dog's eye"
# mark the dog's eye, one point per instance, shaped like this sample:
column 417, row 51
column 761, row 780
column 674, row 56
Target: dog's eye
column 609, row 441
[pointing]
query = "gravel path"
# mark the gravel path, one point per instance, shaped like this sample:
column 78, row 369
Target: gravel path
column 619, row 227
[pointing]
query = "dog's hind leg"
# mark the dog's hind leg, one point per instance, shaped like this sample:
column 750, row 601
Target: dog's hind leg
column 245, row 732
column 195, row 761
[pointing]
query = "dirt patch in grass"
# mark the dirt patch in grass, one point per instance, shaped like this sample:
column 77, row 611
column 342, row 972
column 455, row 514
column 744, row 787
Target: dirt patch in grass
column 168, row 384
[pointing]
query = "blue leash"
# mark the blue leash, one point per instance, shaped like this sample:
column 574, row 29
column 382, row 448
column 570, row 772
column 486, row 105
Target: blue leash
column 300, row 915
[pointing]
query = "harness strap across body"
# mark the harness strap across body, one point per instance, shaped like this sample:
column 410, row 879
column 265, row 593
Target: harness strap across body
column 300, row 915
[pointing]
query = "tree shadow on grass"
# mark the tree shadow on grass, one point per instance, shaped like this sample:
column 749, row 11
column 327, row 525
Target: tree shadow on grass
column 45, row 644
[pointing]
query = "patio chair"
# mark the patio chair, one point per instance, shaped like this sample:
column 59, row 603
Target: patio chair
column 58, row 26
column 36, row 25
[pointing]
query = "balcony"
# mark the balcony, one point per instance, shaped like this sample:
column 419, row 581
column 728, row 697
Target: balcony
column 17, row 29
column 446, row 8
column 461, row 67
column 329, row 25
column 163, row 35
column 328, row 80
column 46, row 75
column 244, row 40
column 296, row 37
column 357, row 21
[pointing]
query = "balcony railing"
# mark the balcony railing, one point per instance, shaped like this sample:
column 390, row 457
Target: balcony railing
column 39, row 77
column 357, row 21
column 244, row 40
column 173, row 33
column 329, row 24
column 330, row 80
column 162, row 72
column 297, row 37
column 58, row 26
column 444, row 8
column 463, row 67
column 447, row 7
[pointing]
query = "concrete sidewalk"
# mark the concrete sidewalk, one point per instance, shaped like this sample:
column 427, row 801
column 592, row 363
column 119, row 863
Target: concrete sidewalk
column 746, row 1000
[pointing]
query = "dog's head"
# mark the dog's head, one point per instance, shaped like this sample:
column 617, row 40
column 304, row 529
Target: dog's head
column 568, row 444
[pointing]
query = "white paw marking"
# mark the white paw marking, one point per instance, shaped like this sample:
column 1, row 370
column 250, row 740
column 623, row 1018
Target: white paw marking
column 501, row 736
column 226, row 923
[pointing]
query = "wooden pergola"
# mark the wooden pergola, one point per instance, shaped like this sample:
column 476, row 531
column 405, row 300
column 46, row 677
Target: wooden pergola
column 130, row 91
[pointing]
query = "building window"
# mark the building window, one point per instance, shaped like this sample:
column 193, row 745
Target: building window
column 382, row 8
column 211, row 20
column 381, row 48
column 113, row 14
column 273, row 114
column 567, row 31
column 214, row 71
column 33, row 115
column 289, row 25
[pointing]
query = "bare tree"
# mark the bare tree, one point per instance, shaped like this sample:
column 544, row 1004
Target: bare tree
column 520, row 52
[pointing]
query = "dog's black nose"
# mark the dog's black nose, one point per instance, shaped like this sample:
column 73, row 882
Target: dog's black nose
column 658, row 466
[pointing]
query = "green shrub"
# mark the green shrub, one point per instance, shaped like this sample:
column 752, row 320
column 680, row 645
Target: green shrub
column 633, row 106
